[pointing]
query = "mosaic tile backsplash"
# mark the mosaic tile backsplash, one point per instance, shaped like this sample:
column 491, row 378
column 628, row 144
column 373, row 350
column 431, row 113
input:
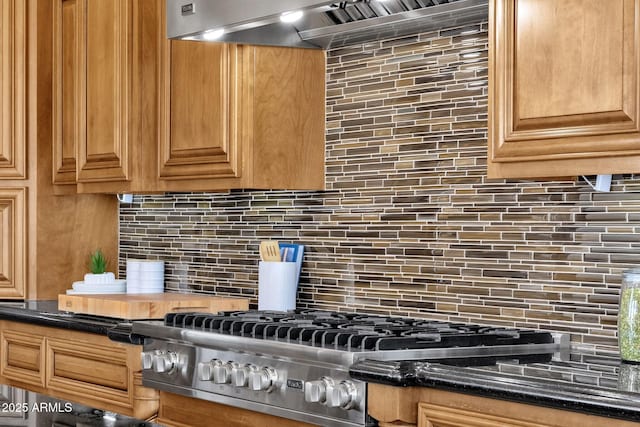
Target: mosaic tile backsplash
column 409, row 225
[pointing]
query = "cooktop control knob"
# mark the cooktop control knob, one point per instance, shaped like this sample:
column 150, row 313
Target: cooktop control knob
column 240, row 374
column 341, row 395
column 262, row 379
column 221, row 372
column 205, row 370
column 165, row 362
column 147, row 359
column 316, row 391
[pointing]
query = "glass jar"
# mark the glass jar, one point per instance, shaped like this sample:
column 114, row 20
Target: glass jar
column 629, row 316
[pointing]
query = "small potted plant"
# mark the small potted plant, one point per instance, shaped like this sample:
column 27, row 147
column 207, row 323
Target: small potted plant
column 98, row 267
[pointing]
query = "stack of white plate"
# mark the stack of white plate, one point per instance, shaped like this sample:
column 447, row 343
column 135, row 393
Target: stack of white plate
column 145, row 277
column 115, row 287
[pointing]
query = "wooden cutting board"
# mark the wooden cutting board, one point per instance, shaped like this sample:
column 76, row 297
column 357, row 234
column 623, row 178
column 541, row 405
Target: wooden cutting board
column 146, row 306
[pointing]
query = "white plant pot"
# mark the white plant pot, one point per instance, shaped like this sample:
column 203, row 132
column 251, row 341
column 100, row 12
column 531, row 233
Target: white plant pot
column 99, row 279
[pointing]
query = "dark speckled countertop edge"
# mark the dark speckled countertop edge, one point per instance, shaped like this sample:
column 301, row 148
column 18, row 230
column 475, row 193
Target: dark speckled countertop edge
column 595, row 401
column 46, row 313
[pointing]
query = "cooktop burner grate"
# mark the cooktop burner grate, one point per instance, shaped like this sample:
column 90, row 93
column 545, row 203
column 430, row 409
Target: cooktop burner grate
column 353, row 331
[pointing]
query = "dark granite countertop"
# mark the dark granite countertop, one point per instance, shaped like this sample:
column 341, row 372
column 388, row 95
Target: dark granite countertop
column 582, row 380
column 46, row 313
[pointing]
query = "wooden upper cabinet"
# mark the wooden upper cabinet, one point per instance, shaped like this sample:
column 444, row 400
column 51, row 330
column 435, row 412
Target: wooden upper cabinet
column 287, row 121
column 91, row 90
column 143, row 113
column 563, row 87
column 13, row 33
column 68, row 82
column 201, row 138
column 105, row 91
column 106, row 95
column 239, row 116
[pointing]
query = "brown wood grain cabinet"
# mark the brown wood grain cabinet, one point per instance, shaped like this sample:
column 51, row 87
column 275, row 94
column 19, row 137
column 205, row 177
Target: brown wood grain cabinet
column 13, row 54
column 21, row 356
column 201, row 110
column 563, row 88
column 68, row 86
column 86, row 368
column 181, row 411
column 108, row 43
column 105, row 93
column 430, row 415
column 429, row 407
column 41, row 234
column 141, row 113
column 13, row 241
column 237, row 116
column 13, row 148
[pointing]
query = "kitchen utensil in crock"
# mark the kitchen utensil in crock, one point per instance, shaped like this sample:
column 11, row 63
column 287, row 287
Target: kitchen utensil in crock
column 269, row 250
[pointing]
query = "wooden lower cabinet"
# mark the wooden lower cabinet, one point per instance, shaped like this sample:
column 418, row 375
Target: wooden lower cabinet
column 21, row 356
column 181, row 411
column 86, row 368
column 430, row 415
column 428, row 407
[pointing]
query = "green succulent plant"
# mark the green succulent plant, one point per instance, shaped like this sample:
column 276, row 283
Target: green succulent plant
column 98, row 262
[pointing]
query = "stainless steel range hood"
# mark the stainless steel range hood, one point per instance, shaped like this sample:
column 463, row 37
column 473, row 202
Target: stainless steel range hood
column 324, row 24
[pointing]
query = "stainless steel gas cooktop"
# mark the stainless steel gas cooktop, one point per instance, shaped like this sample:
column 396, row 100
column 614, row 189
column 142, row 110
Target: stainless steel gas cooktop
column 296, row 364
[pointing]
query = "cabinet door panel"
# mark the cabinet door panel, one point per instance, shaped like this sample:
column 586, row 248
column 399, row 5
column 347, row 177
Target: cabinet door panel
column 563, row 80
column 200, row 138
column 103, row 151
column 82, row 368
column 563, row 67
column 13, row 234
column 12, row 88
column 68, row 82
column 22, row 357
column 85, row 368
column 182, row 411
column 288, row 123
column 430, row 415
